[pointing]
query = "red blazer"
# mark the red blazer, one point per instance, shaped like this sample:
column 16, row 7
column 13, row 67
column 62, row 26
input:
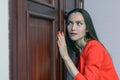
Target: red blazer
column 95, row 63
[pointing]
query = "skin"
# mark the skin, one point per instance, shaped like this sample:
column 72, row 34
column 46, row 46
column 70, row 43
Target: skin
column 76, row 30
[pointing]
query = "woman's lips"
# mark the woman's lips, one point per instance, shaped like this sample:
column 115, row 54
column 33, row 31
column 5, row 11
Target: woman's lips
column 73, row 34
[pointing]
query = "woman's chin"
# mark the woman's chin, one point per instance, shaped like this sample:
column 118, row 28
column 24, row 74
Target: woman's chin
column 74, row 39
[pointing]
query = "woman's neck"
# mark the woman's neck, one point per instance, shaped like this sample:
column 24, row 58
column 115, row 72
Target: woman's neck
column 80, row 44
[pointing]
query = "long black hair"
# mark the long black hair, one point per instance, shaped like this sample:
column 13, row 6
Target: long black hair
column 89, row 25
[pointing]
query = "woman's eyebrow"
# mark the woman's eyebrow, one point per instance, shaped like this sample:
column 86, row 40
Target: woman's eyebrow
column 81, row 21
column 77, row 21
column 70, row 21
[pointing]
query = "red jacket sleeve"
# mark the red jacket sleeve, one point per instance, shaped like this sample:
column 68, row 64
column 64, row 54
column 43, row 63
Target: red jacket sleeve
column 93, row 59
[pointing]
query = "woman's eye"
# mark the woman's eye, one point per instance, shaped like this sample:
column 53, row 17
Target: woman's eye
column 69, row 24
column 79, row 23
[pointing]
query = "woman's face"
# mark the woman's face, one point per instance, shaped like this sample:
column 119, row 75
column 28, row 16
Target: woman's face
column 76, row 26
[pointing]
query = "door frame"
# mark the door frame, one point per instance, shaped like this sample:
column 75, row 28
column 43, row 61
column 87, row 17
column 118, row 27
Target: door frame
column 16, row 30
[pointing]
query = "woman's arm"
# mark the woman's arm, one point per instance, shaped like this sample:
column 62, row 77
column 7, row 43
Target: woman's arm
column 64, row 54
column 70, row 66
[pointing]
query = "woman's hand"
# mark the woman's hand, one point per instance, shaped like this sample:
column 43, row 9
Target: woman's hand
column 64, row 54
column 62, row 45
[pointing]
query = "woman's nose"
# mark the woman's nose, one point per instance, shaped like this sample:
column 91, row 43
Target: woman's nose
column 73, row 27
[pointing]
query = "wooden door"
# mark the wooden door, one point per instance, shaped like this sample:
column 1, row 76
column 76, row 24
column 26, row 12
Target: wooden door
column 33, row 28
column 41, row 40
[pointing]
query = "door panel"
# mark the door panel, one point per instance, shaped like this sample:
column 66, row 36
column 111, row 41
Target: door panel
column 41, row 32
column 41, row 50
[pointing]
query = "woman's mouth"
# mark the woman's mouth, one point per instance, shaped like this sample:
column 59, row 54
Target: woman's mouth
column 73, row 34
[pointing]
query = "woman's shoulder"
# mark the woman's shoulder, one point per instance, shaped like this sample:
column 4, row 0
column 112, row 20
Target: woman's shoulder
column 94, row 48
column 93, row 42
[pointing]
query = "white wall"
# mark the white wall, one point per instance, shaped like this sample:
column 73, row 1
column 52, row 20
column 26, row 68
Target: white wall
column 106, row 18
column 4, row 51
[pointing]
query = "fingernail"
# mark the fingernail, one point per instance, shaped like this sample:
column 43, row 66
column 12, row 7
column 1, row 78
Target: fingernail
column 62, row 32
column 57, row 33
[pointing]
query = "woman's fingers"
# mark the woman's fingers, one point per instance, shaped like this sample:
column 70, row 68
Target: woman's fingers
column 61, row 40
column 60, row 37
column 63, row 35
column 62, row 44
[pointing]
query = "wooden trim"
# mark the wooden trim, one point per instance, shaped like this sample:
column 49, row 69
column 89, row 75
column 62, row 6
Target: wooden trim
column 45, row 4
column 79, row 3
column 12, row 40
column 16, row 26
column 40, row 15
column 28, row 56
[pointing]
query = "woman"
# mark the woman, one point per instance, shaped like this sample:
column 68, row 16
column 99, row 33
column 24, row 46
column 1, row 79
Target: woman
column 92, row 61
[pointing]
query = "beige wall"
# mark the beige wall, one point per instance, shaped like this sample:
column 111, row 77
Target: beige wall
column 4, row 51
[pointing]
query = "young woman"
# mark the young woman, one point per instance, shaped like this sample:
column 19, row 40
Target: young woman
column 92, row 61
